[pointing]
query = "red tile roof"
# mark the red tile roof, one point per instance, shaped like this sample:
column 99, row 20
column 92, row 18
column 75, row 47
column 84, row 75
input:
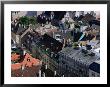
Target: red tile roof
column 16, row 66
column 14, row 57
column 28, row 61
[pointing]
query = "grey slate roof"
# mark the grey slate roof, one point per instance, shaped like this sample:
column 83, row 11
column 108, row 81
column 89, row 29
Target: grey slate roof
column 95, row 67
column 78, row 55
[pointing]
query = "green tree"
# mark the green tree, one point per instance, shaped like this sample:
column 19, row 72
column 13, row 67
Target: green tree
column 24, row 20
column 32, row 20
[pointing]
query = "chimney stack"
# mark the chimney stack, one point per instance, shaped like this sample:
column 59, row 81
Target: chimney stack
column 39, row 73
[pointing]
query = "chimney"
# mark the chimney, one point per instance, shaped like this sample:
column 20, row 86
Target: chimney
column 24, row 52
column 51, row 54
column 47, row 49
column 39, row 73
column 24, row 26
column 22, row 67
column 55, row 73
column 64, row 42
column 53, row 34
column 43, row 74
column 45, row 66
column 19, row 25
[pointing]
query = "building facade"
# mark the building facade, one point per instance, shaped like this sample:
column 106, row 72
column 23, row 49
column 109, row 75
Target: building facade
column 48, row 48
column 74, row 62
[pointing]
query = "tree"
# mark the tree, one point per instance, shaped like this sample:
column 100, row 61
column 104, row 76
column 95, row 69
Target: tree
column 75, row 46
column 32, row 20
column 24, row 20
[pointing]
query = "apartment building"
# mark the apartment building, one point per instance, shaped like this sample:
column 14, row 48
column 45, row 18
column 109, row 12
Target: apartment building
column 75, row 62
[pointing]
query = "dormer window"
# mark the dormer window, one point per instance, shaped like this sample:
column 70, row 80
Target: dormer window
column 28, row 60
